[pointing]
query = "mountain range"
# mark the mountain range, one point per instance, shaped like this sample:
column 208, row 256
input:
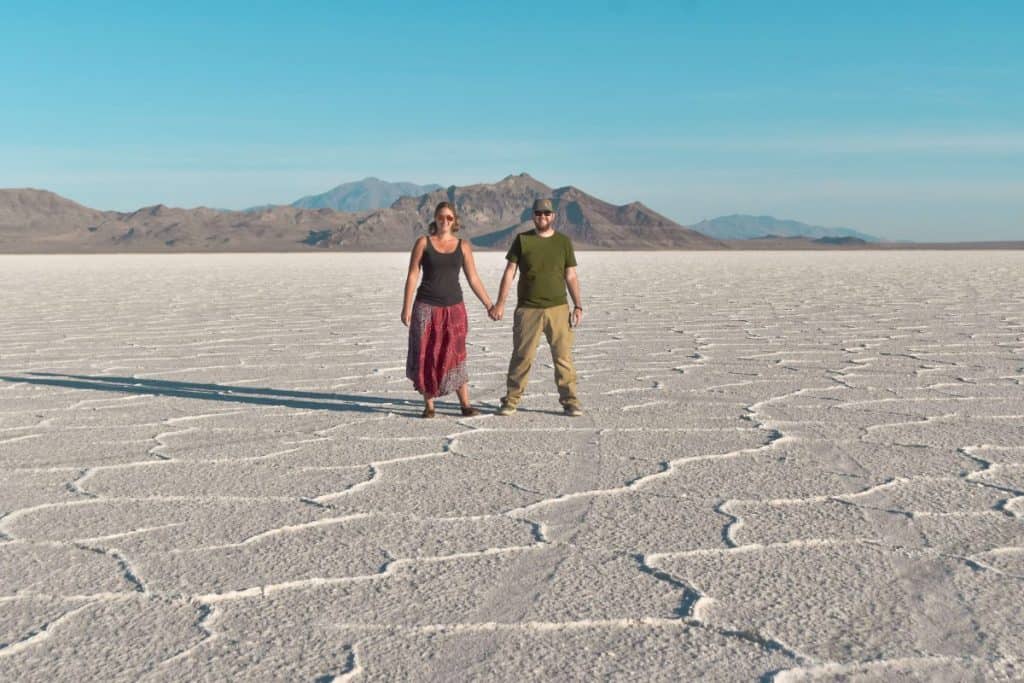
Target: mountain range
column 39, row 221
column 34, row 221
column 745, row 227
column 492, row 214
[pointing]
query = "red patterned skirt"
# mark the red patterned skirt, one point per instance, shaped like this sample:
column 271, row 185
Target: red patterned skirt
column 436, row 363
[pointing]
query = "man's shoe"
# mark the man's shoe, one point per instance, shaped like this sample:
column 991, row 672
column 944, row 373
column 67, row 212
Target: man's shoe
column 572, row 411
column 506, row 409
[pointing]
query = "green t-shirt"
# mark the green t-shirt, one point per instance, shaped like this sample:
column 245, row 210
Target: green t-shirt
column 542, row 263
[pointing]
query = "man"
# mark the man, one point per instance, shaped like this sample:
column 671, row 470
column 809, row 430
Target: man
column 546, row 265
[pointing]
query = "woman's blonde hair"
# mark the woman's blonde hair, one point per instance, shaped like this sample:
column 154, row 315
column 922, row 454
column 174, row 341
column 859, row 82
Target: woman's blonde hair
column 455, row 224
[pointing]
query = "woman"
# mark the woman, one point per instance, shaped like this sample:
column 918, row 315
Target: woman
column 437, row 323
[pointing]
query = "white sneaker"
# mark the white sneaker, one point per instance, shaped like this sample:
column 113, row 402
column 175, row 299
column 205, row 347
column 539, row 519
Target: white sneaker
column 573, row 411
column 506, row 409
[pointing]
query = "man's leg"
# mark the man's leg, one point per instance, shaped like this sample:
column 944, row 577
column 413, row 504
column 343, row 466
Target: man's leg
column 560, row 337
column 528, row 323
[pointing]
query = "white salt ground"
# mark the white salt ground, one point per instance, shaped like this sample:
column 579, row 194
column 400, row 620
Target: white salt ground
column 792, row 466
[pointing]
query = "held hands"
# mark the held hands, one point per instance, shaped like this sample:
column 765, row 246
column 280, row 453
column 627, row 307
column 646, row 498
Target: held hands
column 498, row 310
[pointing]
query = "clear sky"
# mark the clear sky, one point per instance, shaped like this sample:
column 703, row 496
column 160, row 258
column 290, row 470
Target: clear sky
column 901, row 119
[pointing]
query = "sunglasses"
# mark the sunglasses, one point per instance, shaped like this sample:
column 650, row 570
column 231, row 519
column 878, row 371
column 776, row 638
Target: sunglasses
column 543, row 213
column 444, row 219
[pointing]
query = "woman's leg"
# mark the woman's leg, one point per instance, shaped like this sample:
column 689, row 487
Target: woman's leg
column 467, row 409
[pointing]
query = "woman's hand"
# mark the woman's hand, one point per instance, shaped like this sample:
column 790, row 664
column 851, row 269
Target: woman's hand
column 406, row 316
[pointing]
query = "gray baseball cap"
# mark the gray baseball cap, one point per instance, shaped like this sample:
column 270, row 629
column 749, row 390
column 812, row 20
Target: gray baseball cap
column 543, row 205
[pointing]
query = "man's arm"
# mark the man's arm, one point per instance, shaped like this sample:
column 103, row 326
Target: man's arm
column 573, row 283
column 506, row 284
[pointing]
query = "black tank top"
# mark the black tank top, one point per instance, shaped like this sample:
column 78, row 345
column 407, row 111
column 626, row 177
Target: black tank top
column 440, row 283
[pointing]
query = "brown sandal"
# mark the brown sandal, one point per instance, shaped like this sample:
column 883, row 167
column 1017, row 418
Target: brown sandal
column 469, row 411
column 427, row 412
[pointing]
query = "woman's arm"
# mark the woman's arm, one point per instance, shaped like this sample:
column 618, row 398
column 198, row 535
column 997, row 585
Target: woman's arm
column 469, row 268
column 412, row 279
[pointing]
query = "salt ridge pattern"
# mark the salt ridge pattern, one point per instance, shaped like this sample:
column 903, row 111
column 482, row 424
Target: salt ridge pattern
column 793, row 466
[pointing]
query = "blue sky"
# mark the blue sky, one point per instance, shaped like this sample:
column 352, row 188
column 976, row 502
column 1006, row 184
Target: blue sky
column 899, row 119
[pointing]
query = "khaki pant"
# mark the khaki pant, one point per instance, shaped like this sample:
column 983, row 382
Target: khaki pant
column 526, row 330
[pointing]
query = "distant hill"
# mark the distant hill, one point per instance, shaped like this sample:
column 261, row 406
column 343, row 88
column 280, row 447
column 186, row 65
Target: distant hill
column 843, row 241
column 38, row 221
column 36, row 210
column 362, row 195
column 744, row 227
column 778, row 242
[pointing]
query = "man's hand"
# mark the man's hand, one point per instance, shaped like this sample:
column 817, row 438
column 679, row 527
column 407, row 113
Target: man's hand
column 577, row 316
column 497, row 311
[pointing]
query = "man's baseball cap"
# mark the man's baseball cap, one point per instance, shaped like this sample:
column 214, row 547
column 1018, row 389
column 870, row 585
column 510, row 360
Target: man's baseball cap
column 543, row 205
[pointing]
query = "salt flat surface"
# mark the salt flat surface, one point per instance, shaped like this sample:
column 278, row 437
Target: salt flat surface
column 792, row 466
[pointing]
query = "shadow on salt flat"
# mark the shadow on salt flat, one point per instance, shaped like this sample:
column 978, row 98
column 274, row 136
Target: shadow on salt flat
column 360, row 403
